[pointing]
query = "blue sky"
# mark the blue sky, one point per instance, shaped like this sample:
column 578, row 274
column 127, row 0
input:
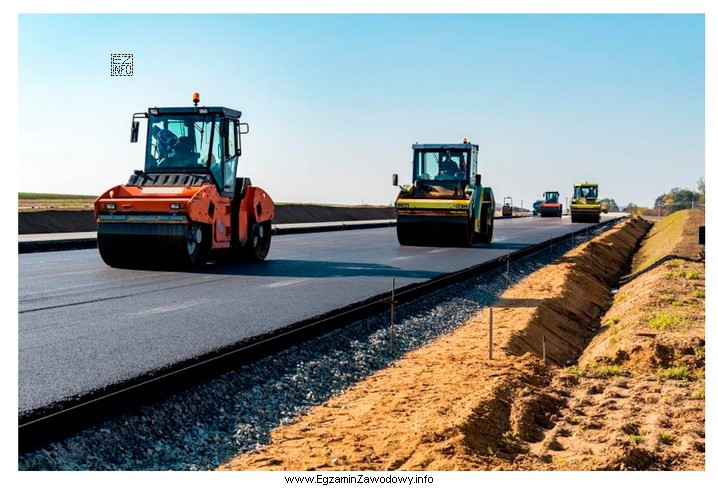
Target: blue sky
column 335, row 101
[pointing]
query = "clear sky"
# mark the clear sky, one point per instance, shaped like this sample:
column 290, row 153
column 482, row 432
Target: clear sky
column 335, row 101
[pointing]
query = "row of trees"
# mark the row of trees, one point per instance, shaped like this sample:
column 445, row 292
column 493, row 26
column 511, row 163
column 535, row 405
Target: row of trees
column 673, row 201
column 611, row 204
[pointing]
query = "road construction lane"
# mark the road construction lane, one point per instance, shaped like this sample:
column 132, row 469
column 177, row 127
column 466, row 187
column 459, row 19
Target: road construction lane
column 83, row 325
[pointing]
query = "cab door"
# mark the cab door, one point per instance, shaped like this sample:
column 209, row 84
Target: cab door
column 230, row 156
column 224, row 171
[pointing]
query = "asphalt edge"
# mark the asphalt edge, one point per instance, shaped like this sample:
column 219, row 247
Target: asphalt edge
column 27, row 247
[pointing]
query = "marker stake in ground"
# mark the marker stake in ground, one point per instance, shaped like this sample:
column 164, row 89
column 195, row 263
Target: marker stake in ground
column 491, row 332
column 391, row 323
column 508, row 269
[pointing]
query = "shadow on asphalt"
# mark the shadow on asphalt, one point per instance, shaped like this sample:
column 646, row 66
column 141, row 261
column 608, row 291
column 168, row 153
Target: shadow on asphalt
column 503, row 245
column 298, row 268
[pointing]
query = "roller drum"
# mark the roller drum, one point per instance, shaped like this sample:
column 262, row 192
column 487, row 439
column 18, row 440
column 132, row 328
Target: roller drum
column 434, row 232
column 585, row 216
column 152, row 245
column 550, row 212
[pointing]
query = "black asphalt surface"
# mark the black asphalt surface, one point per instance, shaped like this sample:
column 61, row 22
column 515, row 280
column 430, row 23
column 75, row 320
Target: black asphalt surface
column 83, row 325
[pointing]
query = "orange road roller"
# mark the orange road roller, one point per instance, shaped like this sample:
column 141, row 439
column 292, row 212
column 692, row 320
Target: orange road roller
column 188, row 203
column 551, row 207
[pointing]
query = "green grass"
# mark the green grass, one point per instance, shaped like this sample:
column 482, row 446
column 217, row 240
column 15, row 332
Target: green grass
column 666, row 438
column 574, row 370
column 53, row 196
column 660, row 241
column 60, row 200
column 39, row 201
column 699, row 394
column 613, row 326
column 670, row 275
column 663, row 321
column 698, row 294
column 607, row 371
column 692, row 275
column 637, row 438
column 689, row 274
column 573, row 420
column 679, row 373
column 672, row 300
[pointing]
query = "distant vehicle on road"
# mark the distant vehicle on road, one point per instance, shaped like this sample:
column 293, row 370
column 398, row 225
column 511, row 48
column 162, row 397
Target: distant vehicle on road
column 585, row 206
column 551, row 206
column 508, row 209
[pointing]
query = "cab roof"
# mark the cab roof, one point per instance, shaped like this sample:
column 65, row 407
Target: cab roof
column 466, row 146
column 585, row 184
column 224, row 111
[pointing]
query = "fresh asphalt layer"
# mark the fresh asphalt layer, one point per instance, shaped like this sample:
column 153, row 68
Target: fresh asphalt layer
column 84, row 326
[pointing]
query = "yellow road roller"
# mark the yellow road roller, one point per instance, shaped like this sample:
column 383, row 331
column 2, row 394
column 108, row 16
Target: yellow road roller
column 445, row 204
column 585, row 206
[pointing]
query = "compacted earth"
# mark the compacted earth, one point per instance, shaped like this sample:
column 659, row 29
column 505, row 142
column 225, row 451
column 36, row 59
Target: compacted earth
column 597, row 364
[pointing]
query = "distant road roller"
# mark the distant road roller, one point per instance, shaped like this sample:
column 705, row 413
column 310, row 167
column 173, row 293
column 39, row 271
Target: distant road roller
column 507, row 211
column 188, row 202
column 585, row 206
column 551, row 207
column 446, row 203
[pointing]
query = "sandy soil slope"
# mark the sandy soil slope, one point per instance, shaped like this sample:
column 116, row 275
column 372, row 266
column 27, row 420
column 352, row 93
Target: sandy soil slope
column 448, row 407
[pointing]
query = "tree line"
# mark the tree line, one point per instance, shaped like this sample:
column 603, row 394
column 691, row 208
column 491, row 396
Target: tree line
column 673, row 201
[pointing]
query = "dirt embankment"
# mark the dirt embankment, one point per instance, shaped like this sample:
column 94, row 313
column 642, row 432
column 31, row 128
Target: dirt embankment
column 57, row 220
column 637, row 396
column 448, row 407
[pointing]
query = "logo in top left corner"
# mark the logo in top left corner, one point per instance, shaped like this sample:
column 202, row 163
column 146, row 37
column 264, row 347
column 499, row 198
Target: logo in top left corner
column 121, row 65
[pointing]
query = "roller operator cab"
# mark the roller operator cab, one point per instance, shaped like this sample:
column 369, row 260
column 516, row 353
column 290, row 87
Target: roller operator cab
column 585, row 206
column 188, row 202
column 551, row 207
column 446, row 203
